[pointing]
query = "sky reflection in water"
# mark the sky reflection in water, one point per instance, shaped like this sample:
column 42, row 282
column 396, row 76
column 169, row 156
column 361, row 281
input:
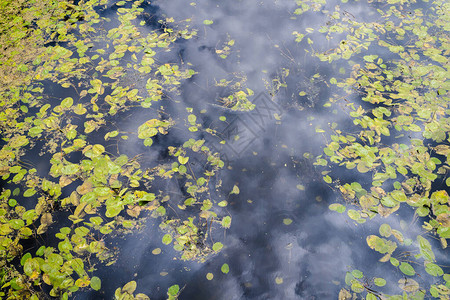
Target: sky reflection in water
column 312, row 254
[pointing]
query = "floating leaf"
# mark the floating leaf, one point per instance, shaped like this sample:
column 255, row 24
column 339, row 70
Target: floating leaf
column 25, row 258
column 183, row 160
column 98, row 149
column 167, row 239
column 357, row 274
column 398, row 235
column 379, row 281
column 192, row 119
column 79, row 109
column 222, row 203
column 226, row 222
column 29, row 193
column 130, row 287
column 394, row 262
column 344, row 295
column 353, row 214
column 287, row 221
column 81, row 231
column 46, row 220
column 370, row 58
column 408, row 285
column 425, row 249
column 381, row 245
column 225, row 268
column 96, row 283
column 70, row 169
column 337, row 207
column 113, row 211
column 65, row 246
column 388, row 201
column 415, row 128
column 173, row 290
column 407, row 269
column 235, row 190
column 148, row 142
column 385, row 230
column 357, row 287
column 217, row 246
column 433, row 269
column 67, row 102
column 300, row 187
column 371, row 296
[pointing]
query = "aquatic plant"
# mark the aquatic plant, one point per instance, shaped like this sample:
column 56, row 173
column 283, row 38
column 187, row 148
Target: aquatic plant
column 91, row 58
column 399, row 67
column 69, row 75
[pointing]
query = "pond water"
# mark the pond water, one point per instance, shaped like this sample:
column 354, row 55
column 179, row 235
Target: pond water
column 268, row 259
column 284, row 242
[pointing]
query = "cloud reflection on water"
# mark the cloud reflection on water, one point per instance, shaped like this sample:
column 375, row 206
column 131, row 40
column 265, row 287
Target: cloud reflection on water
column 313, row 253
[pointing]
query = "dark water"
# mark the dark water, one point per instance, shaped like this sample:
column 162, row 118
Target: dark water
column 307, row 259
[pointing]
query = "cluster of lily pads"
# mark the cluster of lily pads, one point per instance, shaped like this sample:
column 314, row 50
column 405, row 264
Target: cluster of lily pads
column 397, row 98
column 92, row 59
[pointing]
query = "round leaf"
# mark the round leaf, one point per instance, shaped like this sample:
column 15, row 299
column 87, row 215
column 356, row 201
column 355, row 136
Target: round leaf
column 217, row 246
column 167, row 239
column 379, row 281
column 357, row 274
column 225, row 268
column 385, row 230
column 173, row 290
column 96, row 283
